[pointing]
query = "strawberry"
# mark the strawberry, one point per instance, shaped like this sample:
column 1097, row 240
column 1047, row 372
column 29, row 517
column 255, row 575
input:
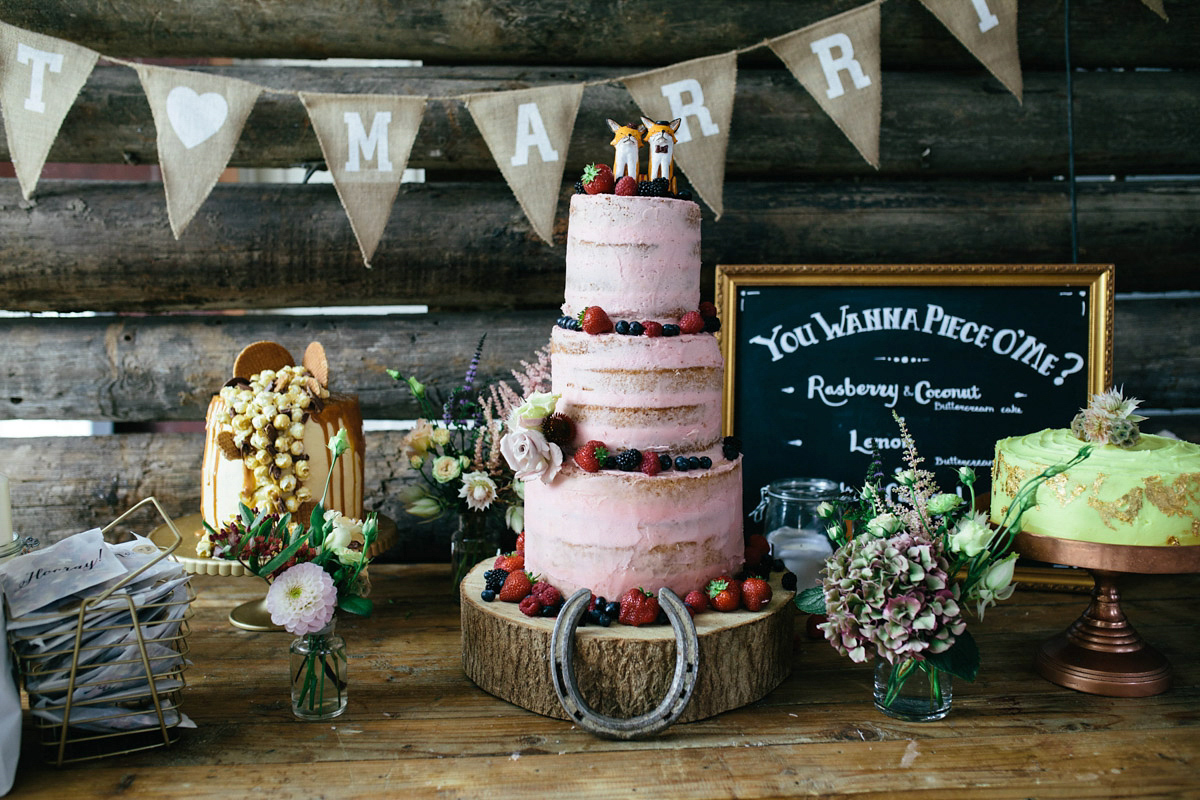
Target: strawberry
column 593, row 320
column 707, row 310
column 724, row 593
column 513, row 562
column 651, row 328
column 626, row 186
column 530, row 606
column 757, row 548
column 598, row 179
column 691, row 322
column 756, row 593
column 516, row 587
column 650, row 464
column 696, row 602
column 591, row 456
column 520, row 548
column 638, row 607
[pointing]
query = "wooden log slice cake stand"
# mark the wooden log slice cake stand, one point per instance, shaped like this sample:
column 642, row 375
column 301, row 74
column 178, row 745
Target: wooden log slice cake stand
column 623, row 671
column 1101, row 653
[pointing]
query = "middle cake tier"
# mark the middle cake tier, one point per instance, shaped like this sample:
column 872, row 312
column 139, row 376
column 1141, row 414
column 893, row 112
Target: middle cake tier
column 660, row 394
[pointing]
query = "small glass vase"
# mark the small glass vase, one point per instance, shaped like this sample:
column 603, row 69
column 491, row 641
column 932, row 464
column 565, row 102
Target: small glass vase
column 477, row 538
column 318, row 672
column 912, row 690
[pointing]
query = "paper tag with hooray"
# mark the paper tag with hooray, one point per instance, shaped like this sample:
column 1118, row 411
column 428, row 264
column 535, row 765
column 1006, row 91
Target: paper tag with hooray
column 69, row 567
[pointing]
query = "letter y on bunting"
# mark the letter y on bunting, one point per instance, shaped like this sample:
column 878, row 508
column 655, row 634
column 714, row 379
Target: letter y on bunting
column 528, row 132
column 40, row 77
column 366, row 140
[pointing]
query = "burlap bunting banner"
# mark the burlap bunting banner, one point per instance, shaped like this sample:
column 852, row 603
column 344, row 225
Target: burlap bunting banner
column 40, row 77
column 198, row 118
column 837, row 61
column 988, row 28
column 366, row 140
column 1157, row 7
column 528, row 132
column 700, row 94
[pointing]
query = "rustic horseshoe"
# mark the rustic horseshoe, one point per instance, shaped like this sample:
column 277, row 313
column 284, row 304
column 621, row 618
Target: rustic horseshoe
column 687, row 662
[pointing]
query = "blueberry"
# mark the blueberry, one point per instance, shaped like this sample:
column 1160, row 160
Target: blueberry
column 600, row 602
column 487, row 595
column 550, row 611
column 603, row 620
column 664, row 461
column 788, row 581
column 636, row 328
column 609, row 463
column 622, row 327
column 693, row 462
column 705, row 462
column 612, row 609
column 681, row 464
column 662, row 618
column 670, row 329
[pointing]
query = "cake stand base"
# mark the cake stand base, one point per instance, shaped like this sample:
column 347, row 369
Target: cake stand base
column 624, row 671
column 1101, row 653
column 253, row 616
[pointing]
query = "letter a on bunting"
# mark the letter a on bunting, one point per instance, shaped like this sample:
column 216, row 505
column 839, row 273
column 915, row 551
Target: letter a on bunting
column 988, row 28
column 528, row 132
column 837, row 61
column 198, row 118
column 40, row 77
column 700, row 94
column 366, row 140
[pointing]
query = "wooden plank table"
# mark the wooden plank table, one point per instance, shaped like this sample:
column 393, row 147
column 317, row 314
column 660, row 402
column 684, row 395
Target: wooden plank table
column 416, row 726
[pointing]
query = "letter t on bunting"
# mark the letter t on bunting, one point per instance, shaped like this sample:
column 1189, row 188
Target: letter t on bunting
column 528, row 132
column 366, row 140
column 700, row 94
column 837, row 61
column 40, row 78
column 988, row 28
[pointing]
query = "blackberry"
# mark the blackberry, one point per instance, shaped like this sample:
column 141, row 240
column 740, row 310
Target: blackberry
column 579, row 187
column 487, row 595
column 636, row 328
column 694, row 462
column 788, row 581
column 670, row 329
column 645, row 189
column 729, row 452
column 712, row 324
column 705, row 462
column 664, row 461
column 494, row 579
column 629, row 460
column 612, row 609
column 610, row 462
column 622, row 327
column 681, row 464
column 659, row 187
column 731, row 447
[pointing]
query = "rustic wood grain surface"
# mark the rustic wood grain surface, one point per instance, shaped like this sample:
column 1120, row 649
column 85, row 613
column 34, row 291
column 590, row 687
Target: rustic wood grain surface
column 417, row 727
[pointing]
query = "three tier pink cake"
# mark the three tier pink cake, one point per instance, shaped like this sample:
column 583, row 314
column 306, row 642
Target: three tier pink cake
column 650, row 389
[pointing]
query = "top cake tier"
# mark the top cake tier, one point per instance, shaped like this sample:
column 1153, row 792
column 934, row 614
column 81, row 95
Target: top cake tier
column 635, row 257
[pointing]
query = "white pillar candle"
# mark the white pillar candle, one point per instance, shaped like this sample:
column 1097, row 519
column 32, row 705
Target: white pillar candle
column 6, row 530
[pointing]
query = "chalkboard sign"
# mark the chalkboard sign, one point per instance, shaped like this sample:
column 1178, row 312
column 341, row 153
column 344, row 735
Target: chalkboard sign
column 818, row 357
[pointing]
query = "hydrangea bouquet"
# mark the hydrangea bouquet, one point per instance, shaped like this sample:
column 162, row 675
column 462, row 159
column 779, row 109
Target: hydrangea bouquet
column 896, row 587
column 457, row 451
column 312, row 573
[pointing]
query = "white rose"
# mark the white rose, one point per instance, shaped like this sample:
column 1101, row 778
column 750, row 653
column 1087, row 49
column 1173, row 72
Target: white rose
column 971, row 536
column 446, row 469
column 531, row 456
column 343, row 532
column 883, row 526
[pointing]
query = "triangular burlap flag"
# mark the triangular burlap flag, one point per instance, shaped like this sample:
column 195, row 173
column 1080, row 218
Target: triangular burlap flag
column 988, row 28
column 528, row 132
column 40, row 77
column 1157, row 7
column 837, row 61
column 199, row 118
column 700, row 94
column 366, row 140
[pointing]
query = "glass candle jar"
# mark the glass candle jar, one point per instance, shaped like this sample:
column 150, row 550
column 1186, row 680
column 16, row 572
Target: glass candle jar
column 788, row 511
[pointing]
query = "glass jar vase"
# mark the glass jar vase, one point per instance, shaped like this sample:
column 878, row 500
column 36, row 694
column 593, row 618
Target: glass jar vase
column 912, row 690
column 318, row 673
column 476, row 538
column 788, row 511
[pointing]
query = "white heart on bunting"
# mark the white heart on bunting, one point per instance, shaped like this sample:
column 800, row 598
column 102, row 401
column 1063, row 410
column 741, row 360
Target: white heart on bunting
column 195, row 117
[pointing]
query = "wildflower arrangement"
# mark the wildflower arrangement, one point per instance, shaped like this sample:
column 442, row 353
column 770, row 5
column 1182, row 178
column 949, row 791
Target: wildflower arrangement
column 312, row 573
column 457, row 452
column 896, row 587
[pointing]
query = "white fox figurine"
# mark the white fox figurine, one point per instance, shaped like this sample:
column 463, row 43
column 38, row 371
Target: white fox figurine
column 626, row 142
column 660, row 137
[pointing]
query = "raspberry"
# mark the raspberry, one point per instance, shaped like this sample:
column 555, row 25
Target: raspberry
column 530, row 606
column 707, row 309
column 650, row 464
column 626, row 186
column 546, row 594
column 652, row 329
column 691, row 322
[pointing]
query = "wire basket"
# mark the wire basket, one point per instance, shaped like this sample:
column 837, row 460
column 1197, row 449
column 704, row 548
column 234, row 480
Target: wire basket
column 114, row 684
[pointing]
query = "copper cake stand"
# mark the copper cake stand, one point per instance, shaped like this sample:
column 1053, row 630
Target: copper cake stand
column 253, row 615
column 1101, row 653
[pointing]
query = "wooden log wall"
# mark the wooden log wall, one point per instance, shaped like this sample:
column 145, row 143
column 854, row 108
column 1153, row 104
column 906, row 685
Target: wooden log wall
column 967, row 174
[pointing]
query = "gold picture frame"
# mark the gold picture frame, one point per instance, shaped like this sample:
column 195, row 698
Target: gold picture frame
column 1094, row 281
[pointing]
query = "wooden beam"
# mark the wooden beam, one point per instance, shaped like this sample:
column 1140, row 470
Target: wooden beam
column 1103, row 33
column 935, row 124
column 469, row 246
